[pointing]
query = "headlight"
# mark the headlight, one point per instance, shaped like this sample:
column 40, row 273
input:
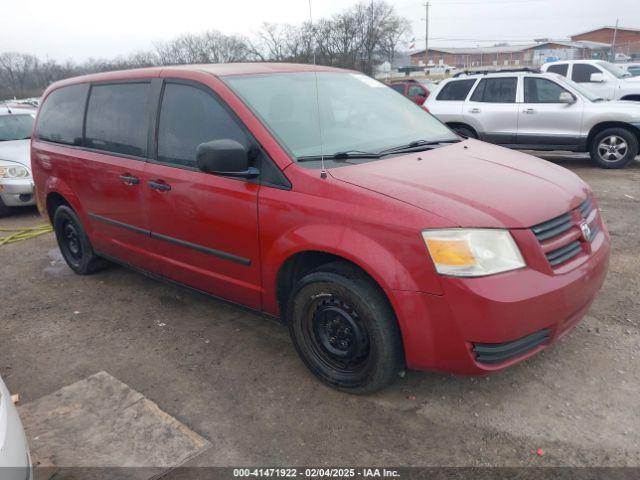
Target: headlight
column 472, row 252
column 14, row 172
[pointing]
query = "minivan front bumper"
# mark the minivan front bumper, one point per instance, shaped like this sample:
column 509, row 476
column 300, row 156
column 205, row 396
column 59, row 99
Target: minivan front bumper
column 485, row 324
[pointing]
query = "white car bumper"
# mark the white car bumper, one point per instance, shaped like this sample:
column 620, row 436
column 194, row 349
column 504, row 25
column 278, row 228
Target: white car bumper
column 15, row 461
column 17, row 192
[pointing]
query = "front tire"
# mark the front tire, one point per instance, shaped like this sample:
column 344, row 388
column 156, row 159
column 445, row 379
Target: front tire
column 344, row 329
column 74, row 244
column 614, row 148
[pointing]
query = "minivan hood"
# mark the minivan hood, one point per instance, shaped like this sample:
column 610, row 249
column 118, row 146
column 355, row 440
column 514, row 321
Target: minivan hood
column 16, row 151
column 473, row 184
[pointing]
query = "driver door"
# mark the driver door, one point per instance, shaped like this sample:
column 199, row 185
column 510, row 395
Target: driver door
column 204, row 227
column 545, row 120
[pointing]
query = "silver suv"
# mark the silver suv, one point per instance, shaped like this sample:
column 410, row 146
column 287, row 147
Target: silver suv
column 528, row 109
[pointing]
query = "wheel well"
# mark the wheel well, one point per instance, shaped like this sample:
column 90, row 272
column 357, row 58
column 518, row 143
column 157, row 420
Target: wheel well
column 453, row 125
column 298, row 265
column 635, row 98
column 604, row 125
column 55, row 200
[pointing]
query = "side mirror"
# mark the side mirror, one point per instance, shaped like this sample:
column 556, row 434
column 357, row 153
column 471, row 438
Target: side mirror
column 225, row 157
column 597, row 78
column 566, row 97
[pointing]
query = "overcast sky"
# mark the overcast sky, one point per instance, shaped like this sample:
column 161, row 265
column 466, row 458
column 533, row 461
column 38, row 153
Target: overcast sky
column 79, row 29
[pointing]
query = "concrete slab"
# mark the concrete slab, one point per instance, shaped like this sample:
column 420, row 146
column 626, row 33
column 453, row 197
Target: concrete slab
column 100, row 422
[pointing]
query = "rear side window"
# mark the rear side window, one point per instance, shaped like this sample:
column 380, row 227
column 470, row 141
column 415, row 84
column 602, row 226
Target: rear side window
column 190, row 116
column 581, row 72
column 496, row 90
column 61, row 115
column 455, row 91
column 541, row 90
column 560, row 69
column 117, row 118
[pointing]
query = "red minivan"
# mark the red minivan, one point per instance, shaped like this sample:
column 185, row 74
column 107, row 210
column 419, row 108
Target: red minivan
column 322, row 197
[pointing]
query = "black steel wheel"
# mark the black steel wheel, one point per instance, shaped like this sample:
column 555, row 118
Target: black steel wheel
column 74, row 243
column 344, row 329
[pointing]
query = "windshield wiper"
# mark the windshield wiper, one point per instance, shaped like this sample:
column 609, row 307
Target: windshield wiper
column 346, row 155
column 416, row 145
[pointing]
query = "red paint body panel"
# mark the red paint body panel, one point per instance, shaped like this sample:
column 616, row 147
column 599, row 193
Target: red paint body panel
column 371, row 214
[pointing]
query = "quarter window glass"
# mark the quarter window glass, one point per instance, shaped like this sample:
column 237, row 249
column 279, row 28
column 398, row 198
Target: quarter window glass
column 190, row 116
column 61, row 115
column 560, row 69
column 541, row 90
column 582, row 72
column 455, row 91
column 496, row 90
column 117, row 118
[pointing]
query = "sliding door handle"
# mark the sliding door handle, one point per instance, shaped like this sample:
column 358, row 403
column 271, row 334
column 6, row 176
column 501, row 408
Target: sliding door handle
column 128, row 179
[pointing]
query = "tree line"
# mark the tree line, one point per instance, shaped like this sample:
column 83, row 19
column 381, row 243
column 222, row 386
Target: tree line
column 359, row 38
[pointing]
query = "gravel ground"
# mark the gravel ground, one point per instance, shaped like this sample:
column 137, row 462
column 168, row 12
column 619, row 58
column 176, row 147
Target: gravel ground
column 234, row 377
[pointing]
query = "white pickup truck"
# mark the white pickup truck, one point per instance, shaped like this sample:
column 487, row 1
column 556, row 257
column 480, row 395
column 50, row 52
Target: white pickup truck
column 604, row 79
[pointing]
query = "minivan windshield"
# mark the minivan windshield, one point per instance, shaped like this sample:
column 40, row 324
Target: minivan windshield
column 15, row 127
column 317, row 114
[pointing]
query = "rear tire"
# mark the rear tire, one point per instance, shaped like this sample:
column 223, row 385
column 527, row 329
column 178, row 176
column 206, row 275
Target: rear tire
column 4, row 210
column 74, row 244
column 344, row 329
column 614, row 148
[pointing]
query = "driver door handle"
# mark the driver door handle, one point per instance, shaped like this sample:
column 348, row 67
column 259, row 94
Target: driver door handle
column 159, row 185
column 529, row 110
column 475, row 110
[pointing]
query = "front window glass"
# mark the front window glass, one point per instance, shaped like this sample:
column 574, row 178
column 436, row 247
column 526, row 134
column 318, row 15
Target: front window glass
column 325, row 113
column 15, row 127
column 541, row 90
column 582, row 72
column 190, row 116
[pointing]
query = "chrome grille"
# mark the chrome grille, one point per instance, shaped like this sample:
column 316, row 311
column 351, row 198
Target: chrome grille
column 560, row 236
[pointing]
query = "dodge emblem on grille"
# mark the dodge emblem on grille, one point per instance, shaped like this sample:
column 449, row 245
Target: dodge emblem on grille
column 586, row 231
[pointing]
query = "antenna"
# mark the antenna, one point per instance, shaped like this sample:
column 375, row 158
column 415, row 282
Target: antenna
column 323, row 170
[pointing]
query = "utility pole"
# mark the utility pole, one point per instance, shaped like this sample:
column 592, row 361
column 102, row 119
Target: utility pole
column 613, row 44
column 426, row 35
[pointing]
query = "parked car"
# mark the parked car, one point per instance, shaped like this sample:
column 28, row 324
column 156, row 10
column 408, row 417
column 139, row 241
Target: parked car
column 411, row 89
column 631, row 68
column 320, row 196
column 621, row 57
column 601, row 78
column 539, row 111
column 16, row 183
column 15, row 461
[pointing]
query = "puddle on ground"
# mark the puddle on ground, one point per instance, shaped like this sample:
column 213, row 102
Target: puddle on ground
column 57, row 266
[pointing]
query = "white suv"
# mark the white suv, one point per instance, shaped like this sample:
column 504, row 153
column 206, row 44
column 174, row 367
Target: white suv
column 527, row 109
column 603, row 79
